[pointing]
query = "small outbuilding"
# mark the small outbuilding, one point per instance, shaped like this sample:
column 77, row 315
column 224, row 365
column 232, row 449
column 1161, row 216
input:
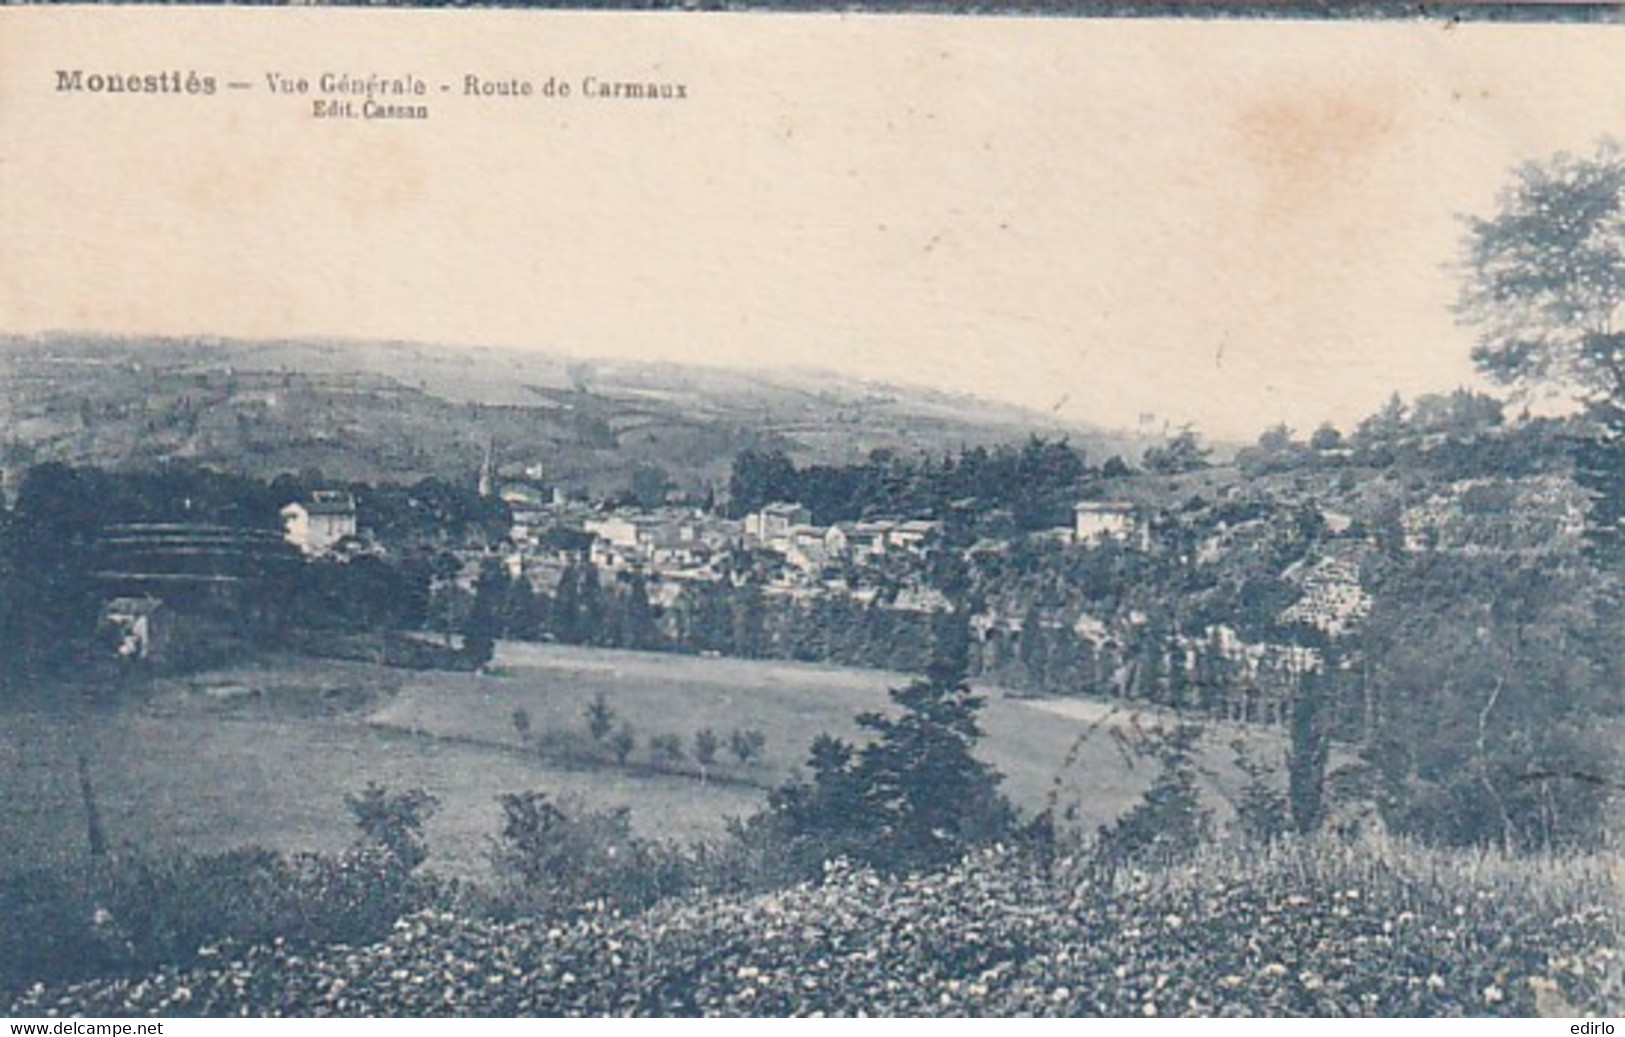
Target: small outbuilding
column 138, row 630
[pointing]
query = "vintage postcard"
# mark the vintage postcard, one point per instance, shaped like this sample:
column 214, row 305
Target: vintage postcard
column 562, row 513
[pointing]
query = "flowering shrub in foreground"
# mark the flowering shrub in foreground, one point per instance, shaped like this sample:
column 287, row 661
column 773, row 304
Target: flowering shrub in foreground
column 1307, row 930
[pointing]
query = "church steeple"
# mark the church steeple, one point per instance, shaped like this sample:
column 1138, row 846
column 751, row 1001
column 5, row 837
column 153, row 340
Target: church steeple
column 488, row 480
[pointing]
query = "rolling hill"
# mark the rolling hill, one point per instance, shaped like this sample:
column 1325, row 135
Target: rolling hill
column 402, row 412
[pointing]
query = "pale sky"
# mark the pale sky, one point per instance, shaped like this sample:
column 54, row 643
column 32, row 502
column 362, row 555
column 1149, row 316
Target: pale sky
column 1225, row 223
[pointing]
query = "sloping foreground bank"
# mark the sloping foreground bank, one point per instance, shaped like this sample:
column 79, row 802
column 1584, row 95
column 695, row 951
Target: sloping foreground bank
column 1316, row 930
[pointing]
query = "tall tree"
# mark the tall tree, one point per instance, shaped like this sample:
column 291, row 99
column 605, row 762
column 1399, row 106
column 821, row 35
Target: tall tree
column 1326, row 437
column 1277, row 439
column 914, row 796
column 1543, row 282
column 565, row 616
column 1031, row 649
column 637, row 627
column 594, row 604
column 524, row 613
column 649, row 485
column 1308, row 753
column 485, row 617
column 936, row 800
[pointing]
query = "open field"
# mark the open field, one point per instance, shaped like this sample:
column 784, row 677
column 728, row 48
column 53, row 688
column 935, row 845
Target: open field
column 1027, row 739
column 264, row 753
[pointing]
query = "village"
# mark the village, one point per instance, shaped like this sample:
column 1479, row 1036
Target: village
column 774, row 583
column 675, row 549
column 777, row 560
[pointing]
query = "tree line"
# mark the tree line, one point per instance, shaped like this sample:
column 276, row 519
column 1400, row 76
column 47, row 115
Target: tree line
column 1038, row 481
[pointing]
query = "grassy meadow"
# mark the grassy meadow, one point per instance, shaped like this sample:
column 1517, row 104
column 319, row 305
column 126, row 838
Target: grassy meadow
column 265, row 752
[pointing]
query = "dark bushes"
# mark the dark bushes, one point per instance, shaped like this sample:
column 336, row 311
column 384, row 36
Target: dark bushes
column 134, row 911
column 554, row 862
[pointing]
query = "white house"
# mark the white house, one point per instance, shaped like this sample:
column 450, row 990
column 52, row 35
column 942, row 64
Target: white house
column 773, row 523
column 618, row 530
column 805, row 548
column 1095, row 522
column 912, row 534
column 315, row 524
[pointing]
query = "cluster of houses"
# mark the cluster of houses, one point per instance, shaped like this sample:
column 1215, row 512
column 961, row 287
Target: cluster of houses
column 690, row 544
column 778, row 547
column 785, row 553
column 673, row 546
column 787, row 529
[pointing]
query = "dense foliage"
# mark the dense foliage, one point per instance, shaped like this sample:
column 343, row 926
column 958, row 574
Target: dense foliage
column 1037, row 482
column 559, row 860
column 130, row 911
column 1495, row 688
column 1303, row 930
